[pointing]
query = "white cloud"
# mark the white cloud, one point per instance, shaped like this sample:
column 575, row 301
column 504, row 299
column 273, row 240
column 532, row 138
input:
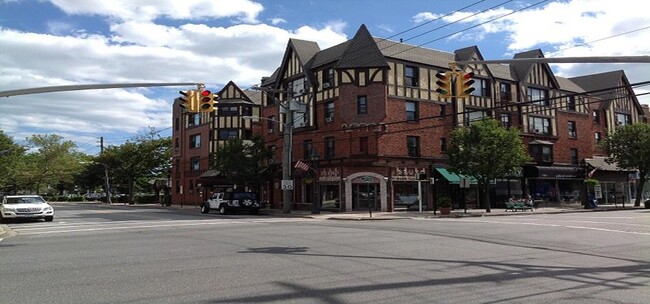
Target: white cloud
column 276, row 21
column 147, row 10
column 557, row 27
column 134, row 51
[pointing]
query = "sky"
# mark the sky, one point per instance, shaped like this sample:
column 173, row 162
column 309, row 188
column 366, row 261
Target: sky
column 70, row 42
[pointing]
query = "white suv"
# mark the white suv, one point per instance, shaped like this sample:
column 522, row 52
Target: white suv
column 25, row 206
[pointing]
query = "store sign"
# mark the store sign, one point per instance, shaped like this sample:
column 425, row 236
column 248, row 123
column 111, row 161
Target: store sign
column 329, row 175
column 407, row 174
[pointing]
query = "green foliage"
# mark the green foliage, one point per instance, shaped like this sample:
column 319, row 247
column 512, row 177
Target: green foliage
column 629, row 148
column 486, row 150
column 145, row 199
column 242, row 162
column 443, row 202
column 591, row 182
column 10, row 155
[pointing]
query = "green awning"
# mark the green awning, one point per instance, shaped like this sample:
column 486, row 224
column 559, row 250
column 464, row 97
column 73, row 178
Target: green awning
column 453, row 178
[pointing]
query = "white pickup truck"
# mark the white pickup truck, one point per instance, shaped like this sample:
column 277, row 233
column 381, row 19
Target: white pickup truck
column 227, row 202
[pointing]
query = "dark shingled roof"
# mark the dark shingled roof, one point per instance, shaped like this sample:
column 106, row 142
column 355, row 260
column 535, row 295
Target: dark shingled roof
column 362, row 52
column 329, row 55
column 407, row 52
column 305, row 50
column 604, row 80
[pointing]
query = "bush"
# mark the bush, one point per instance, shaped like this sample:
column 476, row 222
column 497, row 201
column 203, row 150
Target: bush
column 145, row 199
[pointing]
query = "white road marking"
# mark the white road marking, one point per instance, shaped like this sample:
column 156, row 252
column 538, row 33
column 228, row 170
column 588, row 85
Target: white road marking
column 550, row 225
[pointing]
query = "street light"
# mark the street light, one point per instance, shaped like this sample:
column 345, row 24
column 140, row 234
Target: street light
column 287, row 182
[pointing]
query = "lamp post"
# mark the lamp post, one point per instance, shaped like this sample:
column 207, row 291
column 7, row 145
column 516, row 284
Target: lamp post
column 287, row 182
column 315, row 205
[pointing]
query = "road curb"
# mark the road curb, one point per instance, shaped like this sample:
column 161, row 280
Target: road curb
column 5, row 231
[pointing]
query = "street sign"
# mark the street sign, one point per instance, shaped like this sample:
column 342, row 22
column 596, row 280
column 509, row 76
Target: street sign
column 287, row 184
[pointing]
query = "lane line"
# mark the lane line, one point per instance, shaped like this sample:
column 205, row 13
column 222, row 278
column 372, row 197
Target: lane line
column 556, row 225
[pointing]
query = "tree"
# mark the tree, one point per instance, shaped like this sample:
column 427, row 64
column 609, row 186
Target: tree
column 486, row 150
column 132, row 163
column 242, row 162
column 10, row 155
column 629, row 148
column 53, row 163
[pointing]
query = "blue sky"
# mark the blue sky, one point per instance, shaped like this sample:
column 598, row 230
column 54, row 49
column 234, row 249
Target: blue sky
column 66, row 42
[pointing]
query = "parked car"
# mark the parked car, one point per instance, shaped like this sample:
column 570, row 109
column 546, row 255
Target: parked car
column 25, row 206
column 227, row 202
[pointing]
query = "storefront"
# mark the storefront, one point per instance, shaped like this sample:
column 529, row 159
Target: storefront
column 329, row 180
column 554, row 183
column 408, row 185
column 448, row 184
column 616, row 185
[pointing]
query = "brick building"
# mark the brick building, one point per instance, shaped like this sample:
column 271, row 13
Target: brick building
column 372, row 116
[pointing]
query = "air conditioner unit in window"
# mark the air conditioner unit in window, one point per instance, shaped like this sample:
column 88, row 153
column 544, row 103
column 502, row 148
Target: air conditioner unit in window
column 537, row 131
column 269, row 130
column 326, row 85
column 301, row 124
column 329, row 119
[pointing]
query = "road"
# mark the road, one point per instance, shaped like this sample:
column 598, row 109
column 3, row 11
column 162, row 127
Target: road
column 102, row 254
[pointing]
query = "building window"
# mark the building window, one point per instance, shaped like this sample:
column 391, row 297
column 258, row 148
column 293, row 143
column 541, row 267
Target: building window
column 506, row 120
column 623, row 119
column 329, row 112
column 481, row 87
column 362, row 104
column 474, row 115
column 537, row 96
column 571, row 103
column 297, row 87
column 308, row 149
column 413, row 145
column 270, row 123
column 574, row 156
column 329, row 147
column 542, row 153
column 411, row 76
column 328, row 78
column 176, row 143
column 443, row 111
column 572, row 129
column 247, row 111
column 228, row 111
column 194, row 119
column 443, row 144
column 505, row 92
column 228, row 134
column 363, row 145
column 176, row 124
column 412, row 111
column 195, row 164
column 539, row 125
column 195, row 141
column 598, row 136
column 596, row 116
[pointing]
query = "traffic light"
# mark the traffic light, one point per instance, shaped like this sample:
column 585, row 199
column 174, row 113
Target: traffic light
column 444, row 84
column 464, row 83
column 188, row 101
column 207, row 101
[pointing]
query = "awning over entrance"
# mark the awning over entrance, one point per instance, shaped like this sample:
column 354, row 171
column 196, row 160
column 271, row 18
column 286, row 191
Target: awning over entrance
column 453, row 178
column 553, row 172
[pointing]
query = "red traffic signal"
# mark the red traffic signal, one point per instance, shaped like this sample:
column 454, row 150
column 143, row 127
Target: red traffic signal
column 207, row 101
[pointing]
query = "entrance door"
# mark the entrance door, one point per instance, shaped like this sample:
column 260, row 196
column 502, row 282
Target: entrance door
column 364, row 195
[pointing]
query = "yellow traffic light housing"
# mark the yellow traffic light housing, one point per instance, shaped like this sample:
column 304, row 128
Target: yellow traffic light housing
column 464, row 83
column 207, row 101
column 444, row 84
column 189, row 102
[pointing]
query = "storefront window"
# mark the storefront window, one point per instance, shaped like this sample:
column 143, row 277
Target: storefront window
column 330, row 197
column 406, row 195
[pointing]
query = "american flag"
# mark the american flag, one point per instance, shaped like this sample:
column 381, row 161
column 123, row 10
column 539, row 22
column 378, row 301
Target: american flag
column 302, row 166
column 591, row 173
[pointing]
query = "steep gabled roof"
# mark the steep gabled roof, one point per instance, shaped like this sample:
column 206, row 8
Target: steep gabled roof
column 407, row 52
column 605, row 80
column 362, row 52
column 329, row 55
column 522, row 69
column 467, row 54
column 305, row 50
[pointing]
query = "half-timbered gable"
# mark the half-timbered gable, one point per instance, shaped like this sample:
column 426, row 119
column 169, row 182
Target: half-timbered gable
column 620, row 105
column 227, row 123
column 480, row 103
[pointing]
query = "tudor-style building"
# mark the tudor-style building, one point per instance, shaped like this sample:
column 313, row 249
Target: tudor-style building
column 368, row 109
column 375, row 121
column 195, row 137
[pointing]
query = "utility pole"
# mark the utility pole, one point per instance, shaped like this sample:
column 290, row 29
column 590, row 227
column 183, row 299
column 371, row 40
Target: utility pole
column 286, row 162
column 107, row 187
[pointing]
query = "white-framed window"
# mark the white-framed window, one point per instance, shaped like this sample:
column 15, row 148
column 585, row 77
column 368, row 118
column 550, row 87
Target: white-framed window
column 539, row 125
column 539, row 96
column 195, row 141
column 411, row 76
column 573, row 133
